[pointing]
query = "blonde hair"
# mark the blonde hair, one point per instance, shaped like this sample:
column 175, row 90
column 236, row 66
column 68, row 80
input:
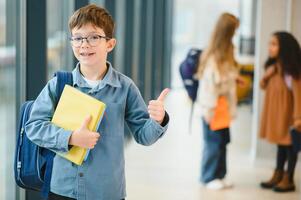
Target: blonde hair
column 220, row 46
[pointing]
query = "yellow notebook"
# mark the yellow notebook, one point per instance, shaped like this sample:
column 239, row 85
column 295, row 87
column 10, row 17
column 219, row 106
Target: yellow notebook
column 72, row 109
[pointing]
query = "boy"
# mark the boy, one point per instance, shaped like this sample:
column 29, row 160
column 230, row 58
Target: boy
column 101, row 176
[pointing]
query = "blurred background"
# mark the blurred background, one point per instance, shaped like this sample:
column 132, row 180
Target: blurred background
column 153, row 39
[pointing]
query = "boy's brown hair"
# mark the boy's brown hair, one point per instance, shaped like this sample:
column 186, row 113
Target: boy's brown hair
column 92, row 14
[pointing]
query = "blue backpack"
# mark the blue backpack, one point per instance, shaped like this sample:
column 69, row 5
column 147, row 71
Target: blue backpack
column 187, row 70
column 33, row 164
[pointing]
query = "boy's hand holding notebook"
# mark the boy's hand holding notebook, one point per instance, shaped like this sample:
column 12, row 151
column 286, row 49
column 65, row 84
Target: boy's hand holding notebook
column 71, row 114
column 83, row 137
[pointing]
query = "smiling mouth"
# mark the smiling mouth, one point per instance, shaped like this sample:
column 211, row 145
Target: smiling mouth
column 86, row 54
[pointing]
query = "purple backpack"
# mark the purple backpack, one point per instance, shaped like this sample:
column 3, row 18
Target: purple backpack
column 187, row 70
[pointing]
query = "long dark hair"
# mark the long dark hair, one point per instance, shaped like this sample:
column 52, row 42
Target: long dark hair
column 289, row 55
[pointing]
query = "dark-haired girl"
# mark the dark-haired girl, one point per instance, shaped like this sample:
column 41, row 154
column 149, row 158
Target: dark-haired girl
column 282, row 106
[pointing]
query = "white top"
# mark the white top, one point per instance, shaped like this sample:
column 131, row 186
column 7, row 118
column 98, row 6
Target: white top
column 213, row 84
column 92, row 83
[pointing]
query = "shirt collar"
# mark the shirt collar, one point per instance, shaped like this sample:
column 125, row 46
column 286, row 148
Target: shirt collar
column 110, row 78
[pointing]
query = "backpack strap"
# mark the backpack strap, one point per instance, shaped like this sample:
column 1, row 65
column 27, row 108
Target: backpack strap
column 190, row 117
column 63, row 78
column 48, row 155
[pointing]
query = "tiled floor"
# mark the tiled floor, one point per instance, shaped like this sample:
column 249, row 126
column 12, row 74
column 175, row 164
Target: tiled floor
column 169, row 170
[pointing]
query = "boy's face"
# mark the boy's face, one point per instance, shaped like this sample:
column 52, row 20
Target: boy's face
column 90, row 46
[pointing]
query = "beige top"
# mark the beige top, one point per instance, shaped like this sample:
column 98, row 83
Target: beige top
column 214, row 84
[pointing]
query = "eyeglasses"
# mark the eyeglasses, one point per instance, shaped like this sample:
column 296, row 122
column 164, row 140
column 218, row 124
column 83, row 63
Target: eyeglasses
column 93, row 40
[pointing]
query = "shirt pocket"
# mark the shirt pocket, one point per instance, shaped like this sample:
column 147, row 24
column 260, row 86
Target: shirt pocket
column 112, row 124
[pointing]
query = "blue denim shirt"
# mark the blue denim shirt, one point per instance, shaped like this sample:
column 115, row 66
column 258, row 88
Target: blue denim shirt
column 101, row 176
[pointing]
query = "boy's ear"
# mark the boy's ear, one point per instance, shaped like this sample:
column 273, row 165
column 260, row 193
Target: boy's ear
column 111, row 44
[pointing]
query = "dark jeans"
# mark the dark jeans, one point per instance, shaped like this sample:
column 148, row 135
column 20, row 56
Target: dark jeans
column 286, row 153
column 214, row 164
column 53, row 196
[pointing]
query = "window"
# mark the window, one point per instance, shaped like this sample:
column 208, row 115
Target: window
column 8, row 18
column 59, row 52
column 193, row 24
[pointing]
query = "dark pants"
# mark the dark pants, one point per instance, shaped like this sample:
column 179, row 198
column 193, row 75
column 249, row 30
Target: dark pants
column 286, row 153
column 214, row 164
column 53, row 196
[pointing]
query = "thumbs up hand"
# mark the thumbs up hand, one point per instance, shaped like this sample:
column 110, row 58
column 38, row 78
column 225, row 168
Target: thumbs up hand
column 83, row 137
column 156, row 107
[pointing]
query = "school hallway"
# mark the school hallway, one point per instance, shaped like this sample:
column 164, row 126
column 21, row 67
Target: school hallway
column 153, row 38
column 169, row 169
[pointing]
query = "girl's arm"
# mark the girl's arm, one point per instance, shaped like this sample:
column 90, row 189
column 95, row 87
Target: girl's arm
column 269, row 72
column 297, row 103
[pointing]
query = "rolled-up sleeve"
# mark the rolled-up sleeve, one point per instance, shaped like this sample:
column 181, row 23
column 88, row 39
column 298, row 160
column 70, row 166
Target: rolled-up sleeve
column 39, row 128
column 145, row 130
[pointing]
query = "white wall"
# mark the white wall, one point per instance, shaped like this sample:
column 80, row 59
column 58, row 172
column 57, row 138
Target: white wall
column 296, row 19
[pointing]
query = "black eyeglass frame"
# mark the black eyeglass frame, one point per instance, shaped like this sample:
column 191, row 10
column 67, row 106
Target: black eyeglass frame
column 86, row 38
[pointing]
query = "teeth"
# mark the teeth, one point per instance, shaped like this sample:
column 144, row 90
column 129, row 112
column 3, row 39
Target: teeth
column 86, row 54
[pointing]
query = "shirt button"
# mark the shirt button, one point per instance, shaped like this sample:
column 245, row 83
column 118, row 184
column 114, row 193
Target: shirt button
column 81, row 174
